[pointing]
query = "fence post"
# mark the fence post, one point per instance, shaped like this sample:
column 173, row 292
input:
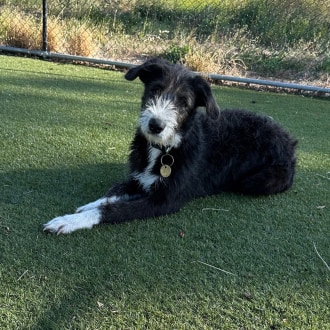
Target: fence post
column 44, row 26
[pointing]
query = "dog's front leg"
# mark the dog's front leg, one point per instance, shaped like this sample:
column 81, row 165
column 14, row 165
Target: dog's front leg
column 149, row 206
column 90, row 214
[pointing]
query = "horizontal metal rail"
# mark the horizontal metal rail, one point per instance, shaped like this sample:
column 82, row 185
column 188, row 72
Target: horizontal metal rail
column 272, row 83
column 124, row 65
column 44, row 54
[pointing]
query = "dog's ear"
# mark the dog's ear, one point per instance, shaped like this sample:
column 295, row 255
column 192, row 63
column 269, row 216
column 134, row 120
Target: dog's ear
column 149, row 71
column 204, row 97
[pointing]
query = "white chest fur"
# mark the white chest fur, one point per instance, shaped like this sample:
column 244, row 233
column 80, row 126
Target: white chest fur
column 146, row 178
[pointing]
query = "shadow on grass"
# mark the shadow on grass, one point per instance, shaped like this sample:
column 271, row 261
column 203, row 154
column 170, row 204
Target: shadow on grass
column 57, row 271
column 50, row 82
column 124, row 271
column 58, row 186
column 113, row 276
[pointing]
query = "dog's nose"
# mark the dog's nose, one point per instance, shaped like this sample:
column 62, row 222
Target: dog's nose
column 156, row 126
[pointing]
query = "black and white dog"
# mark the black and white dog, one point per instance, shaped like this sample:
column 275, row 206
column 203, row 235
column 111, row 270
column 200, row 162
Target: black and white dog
column 181, row 152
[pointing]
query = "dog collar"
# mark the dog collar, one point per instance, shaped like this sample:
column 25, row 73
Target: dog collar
column 166, row 160
column 163, row 149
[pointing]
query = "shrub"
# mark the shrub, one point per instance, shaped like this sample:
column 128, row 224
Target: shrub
column 175, row 53
column 56, row 40
column 81, row 42
column 23, row 32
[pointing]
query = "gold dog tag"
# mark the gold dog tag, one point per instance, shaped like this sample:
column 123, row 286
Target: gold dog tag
column 165, row 171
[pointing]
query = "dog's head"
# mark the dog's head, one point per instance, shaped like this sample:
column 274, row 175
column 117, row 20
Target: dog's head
column 172, row 94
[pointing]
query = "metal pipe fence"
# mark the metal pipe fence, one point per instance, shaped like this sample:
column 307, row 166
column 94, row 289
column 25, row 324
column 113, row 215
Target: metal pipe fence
column 96, row 23
column 214, row 36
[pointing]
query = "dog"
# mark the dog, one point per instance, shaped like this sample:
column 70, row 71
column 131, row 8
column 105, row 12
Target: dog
column 185, row 147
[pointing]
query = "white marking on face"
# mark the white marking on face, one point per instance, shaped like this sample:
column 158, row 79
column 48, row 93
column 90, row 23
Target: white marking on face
column 68, row 223
column 145, row 178
column 164, row 110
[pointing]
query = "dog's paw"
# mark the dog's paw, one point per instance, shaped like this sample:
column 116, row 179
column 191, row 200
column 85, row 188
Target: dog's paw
column 59, row 225
column 68, row 223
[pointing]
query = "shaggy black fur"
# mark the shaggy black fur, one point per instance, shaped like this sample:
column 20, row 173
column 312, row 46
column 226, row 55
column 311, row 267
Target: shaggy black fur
column 212, row 151
column 235, row 151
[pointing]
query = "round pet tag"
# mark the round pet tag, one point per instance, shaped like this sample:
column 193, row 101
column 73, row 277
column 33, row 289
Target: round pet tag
column 165, row 171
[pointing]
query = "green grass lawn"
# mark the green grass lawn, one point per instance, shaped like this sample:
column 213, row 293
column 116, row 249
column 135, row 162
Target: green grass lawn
column 64, row 137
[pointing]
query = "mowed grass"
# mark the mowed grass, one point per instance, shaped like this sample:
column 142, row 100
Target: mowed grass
column 64, row 139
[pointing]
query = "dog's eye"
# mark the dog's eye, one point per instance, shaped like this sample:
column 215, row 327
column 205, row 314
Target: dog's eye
column 183, row 102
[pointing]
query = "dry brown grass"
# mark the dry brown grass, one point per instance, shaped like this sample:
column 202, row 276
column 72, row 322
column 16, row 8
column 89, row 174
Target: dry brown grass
column 81, row 42
column 210, row 57
column 235, row 54
column 56, row 42
column 22, row 31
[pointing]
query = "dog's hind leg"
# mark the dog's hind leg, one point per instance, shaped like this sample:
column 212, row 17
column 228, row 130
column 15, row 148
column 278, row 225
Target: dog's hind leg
column 119, row 192
column 99, row 202
column 267, row 181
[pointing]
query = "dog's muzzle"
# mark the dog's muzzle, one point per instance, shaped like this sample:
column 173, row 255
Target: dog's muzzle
column 156, row 126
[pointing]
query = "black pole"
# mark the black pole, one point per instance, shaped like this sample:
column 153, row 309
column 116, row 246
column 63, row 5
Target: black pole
column 44, row 26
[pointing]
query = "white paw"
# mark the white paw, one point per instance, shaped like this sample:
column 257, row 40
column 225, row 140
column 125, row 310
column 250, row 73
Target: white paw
column 68, row 223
